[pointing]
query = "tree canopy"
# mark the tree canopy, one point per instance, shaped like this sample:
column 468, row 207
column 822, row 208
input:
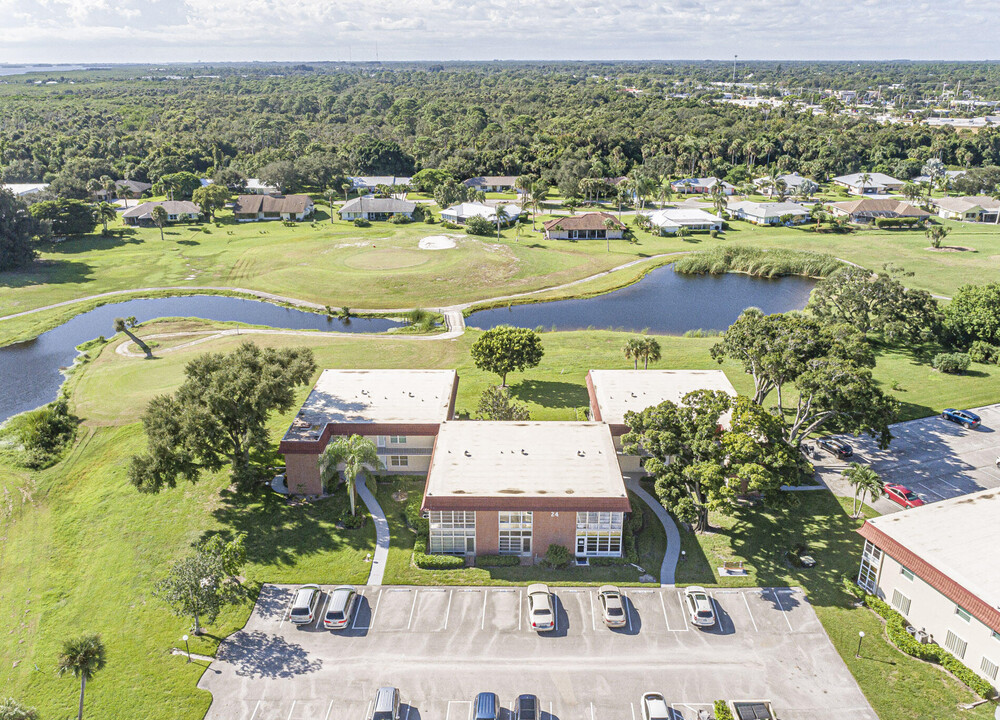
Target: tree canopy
column 974, row 314
column 18, row 228
column 505, row 349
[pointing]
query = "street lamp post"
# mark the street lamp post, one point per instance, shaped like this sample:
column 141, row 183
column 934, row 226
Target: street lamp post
column 861, row 637
column 187, row 647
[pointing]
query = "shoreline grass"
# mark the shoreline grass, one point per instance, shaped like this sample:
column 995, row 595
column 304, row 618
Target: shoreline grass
column 758, row 262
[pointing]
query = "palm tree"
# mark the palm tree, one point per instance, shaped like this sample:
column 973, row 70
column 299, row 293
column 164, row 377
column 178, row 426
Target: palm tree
column 539, row 192
column 108, row 185
column 125, row 325
column 633, row 350
column 865, row 179
column 126, row 192
column 159, row 217
column 609, row 225
column 104, row 213
column 719, row 202
column 93, row 186
column 650, row 350
column 865, row 481
column 664, row 190
column 330, row 192
column 501, row 215
column 346, row 187
column 357, row 453
column 82, row 656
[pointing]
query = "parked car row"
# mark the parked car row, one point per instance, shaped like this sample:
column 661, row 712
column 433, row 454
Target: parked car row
column 486, row 706
column 339, row 608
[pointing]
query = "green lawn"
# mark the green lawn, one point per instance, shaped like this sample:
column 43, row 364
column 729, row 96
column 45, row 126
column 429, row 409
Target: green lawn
column 898, row 686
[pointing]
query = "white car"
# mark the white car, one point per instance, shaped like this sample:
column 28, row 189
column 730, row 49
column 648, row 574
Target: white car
column 654, row 707
column 612, row 606
column 304, row 605
column 340, row 607
column 540, row 611
column 700, row 609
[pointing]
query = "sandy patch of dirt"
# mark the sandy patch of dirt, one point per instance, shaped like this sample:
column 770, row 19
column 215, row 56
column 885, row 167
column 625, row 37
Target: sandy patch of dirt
column 437, row 242
column 951, row 248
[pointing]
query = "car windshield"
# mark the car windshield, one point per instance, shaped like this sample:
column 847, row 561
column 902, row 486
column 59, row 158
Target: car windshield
column 300, row 611
column 386, row 715
column 542, row 611
column 335, row 615
column 615, row 611
column 704, row 613
column 908, row 494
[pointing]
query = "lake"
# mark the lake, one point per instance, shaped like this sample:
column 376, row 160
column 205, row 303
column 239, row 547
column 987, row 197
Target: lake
column 30, row 371
column 665, row 302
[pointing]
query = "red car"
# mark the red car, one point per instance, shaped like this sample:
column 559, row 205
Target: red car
column 902, row 495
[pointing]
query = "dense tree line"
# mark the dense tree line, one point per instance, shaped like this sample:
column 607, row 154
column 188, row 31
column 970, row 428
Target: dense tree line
column 563, row 123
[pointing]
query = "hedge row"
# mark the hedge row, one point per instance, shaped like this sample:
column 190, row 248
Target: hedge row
column 907, row 222
column 895, row 626
column 497, row 560
column 434, row 562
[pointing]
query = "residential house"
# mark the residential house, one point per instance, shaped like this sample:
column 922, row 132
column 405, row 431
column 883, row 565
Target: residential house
column 876, row 183
column 589, row 226
column 769, row 213
column 177, row 211
column 700, row 186
column 613, row 393
column 23, row 189
column 368, row 183
column 135, row 189
column 401, row 411
column 368, row 207
column 515, row 488
column 950, row 174
column 866, row 210
column 257, row 187
column 669, row 220
column 935, row 565
column 971, row 208
column 793, row 181
column 251, row 208
column 460, row 213
column 492, row 183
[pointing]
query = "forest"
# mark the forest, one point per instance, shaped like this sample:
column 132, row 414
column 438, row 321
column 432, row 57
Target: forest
column 561, row 122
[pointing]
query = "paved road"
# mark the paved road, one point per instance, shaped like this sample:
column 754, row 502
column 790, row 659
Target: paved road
column 381, row 534
column 442, row 645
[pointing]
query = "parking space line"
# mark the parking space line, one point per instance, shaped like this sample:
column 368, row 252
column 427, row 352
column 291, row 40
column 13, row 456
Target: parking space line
column 354, row 622
column 662, row 605
column 591, row 711
column 412, row 608
column 777, row 599
column 288, row 610
column 255, row 709
column 593, row 618
column 953, row 487
column 371, row 620
column 556, row 602
column 406, row 715
column 482, row 625
column 323, row 614
column 747, row 603
column 328, row 711
column 520, row 607
column 291, row 710
column 447, row 612
column 632, row 707
column 628, row 610
column 447, row 714
column 684, row 612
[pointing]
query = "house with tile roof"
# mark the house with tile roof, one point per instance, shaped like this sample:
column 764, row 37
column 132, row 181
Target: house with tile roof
column 253, row 208
column 589, row 226
column 368, row 207
column 866, row 210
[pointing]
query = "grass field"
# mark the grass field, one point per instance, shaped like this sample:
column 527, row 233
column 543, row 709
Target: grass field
column 379, row 267
column 80, row 549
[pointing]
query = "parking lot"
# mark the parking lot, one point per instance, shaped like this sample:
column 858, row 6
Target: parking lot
column 442, row 645
column 935, row 458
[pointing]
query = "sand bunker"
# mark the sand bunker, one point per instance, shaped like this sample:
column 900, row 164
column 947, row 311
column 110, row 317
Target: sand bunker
column 437, row 242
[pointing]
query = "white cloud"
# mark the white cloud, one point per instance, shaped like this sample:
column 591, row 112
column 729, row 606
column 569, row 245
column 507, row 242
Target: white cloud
column 180, row 30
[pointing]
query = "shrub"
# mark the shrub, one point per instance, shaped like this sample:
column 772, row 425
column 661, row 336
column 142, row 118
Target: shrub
column 411, row 512
column 400, row 220
column 434, row 562
column 953, row 363
column 479, row 226
column 983, row 352
column 450, row 225
column 429, row 218
column 44, row 433
column 351, row 522
column 713, row 233
column 901, row 222
column 557, row 556
column 721, row 708
column 361, row 222
column 497, row 560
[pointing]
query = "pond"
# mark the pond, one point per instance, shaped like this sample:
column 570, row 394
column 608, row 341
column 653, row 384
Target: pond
column 30, row 371
column 664, row 301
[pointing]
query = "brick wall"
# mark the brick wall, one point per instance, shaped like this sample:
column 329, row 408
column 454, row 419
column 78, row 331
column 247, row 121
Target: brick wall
column 553, row 527
column 487, row 532
column 302, row 474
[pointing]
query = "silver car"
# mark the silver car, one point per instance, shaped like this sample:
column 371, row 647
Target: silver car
column 654, row 707
column 612, row 606
column 540, row 611
column 340, row 607
column 700, row 609
column 304, row 605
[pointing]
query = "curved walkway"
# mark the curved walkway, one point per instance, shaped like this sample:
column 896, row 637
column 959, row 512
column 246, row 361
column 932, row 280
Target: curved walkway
column 668, row 567
column 381, row 534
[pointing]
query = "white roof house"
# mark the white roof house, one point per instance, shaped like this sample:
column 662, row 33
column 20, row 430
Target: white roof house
column 768, row 213
column 793, row 181
column 876, row 184
column 22, row 189
column 462, row 212
column 616, row 392
column 950, row 174
column 670, row 220
column 975, row 208
column 256, row 187
column 369, row 182
column 701, row 185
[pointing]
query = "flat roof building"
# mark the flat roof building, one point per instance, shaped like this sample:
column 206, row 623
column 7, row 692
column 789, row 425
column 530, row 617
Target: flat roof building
column 400, row 410
column 935, row 565
column 518, row 487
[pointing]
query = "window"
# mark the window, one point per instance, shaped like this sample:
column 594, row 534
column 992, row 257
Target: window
column 901, row 602
column 599, row 533
column 397, row 439
column 956, row 645
column 988, row 668
column 871, row 559
column 996, row 635
column 399, row 461
column 515, row 533
column 964, row 614
column 908, row 574
column 452, row 532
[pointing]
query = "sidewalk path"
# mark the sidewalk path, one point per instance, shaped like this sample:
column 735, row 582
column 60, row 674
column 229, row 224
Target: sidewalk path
column 669, row 565
column 381, row 534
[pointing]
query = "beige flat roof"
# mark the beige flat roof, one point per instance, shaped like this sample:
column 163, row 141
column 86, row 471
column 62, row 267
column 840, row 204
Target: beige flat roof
column 524, row 460
column 959, row 537
column 377, row 396
column 619, row 391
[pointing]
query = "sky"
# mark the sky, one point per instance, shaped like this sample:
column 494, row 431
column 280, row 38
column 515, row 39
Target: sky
column 157, row 31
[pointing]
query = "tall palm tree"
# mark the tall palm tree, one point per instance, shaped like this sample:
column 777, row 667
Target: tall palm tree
column 125, row 325
column 865, row 179
column 501, row 215
column 865, row 481
column 104, row 213
column 633, row 350
column 650, row 350
column 82, row 656
column 539, row 193
column 719, row 201
column 159, row 217
column 609, row 225
column 108, row 185
column 346, row 187
column 357, row 453
column 93, row 186
column 664, row 190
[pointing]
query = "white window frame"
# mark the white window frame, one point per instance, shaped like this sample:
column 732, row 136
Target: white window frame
column 901, row 602
column 871, row 563
column 908, row 574
column 963, row 613
column 956, row 645
column 599, row 534
column 397, row 439
column 988, row 668
column 399, row 461
column 514, row 532
column 452, row 532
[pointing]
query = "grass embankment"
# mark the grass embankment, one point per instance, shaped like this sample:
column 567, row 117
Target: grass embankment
column 898, row 686
column 81, row 552
column 759, row 262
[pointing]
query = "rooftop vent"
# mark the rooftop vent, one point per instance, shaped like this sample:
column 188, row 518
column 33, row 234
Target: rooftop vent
column 468, row 454
column 581, row 453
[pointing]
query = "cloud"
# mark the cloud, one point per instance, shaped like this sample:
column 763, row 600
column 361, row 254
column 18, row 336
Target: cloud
column 183, row 30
